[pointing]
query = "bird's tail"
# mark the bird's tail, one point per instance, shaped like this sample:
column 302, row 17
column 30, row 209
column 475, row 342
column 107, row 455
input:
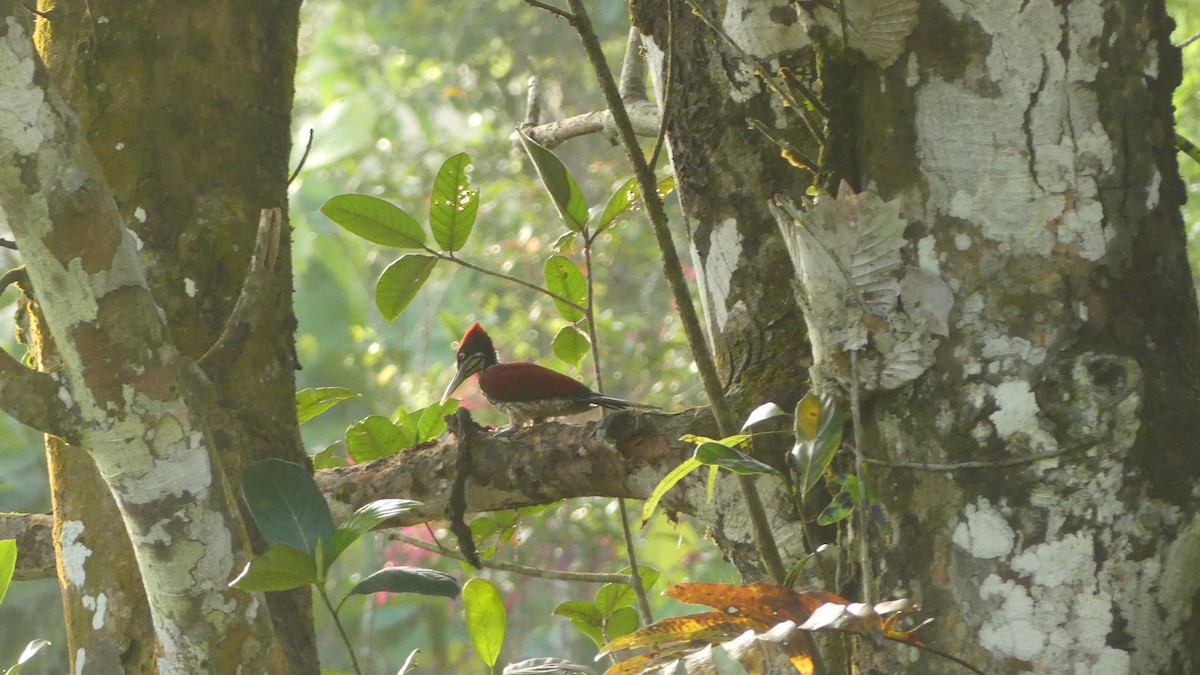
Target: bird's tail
column 618, row 403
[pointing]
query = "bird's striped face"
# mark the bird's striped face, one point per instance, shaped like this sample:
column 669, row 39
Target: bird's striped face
column 475, row 352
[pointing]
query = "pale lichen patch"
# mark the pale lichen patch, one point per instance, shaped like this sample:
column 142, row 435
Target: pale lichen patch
column 74, row 553
column 984, row 532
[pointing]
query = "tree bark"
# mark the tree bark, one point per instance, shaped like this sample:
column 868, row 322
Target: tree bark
column 1030, row 150
column 188, row 114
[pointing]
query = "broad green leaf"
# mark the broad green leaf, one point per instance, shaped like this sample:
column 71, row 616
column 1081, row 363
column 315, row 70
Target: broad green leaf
column 279, row 568
column 564, row 191
column 763, row 413
column 612, row 597
column 433, row 419
column 362, row 521
column 623, row 621
column 409, row 663
column 565, row 242
column 399, row 283
column 716, row 454
column 486, row 619
column 626, row 198
column 571, row 345
column 286, row 504
column 818, row 430
column 376, row 220
column 328, row 458
column 586, row 618
column 453, row 204
column 374, row 437
column 564, row 278
column 677, row 474
column 314, row 401
column 408, row 580
column 731, row 441
column 8, row 564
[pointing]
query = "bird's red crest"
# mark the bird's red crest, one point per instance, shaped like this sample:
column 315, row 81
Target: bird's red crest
column 475, row 339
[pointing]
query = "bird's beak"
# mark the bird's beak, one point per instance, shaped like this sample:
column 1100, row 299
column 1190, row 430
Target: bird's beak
column 461, row 376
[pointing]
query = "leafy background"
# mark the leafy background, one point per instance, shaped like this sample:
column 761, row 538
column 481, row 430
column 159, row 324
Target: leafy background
column 390, row 90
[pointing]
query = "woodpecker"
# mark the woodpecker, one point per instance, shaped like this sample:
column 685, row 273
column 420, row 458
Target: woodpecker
column 526, row 392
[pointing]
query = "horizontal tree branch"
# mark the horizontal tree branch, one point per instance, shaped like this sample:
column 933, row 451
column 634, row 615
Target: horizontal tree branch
column 643, row 114
column 35, row 548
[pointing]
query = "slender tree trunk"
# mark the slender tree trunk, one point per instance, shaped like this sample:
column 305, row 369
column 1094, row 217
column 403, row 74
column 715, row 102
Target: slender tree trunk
column 1029, row 147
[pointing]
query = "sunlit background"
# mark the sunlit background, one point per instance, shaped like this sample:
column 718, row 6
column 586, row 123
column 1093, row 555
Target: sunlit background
column 389, row 91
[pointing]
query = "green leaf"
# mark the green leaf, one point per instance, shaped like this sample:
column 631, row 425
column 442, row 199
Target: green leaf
column 279, row 568
column 328, row 458
column 622, row 622
column 373, row 438
column 564, row 278
column 399, row 283
column 564, row 191
column 433, row 419
column 649, row 575
column 571, row 345
column 286, row 504
column 408, row 580
column 716, row 454
column 626, row 198
column 486, row 619
column 362, row 521
column 612, row 597
column 8, row 564
column 565, row 242
column 376, row 220
column 314, row 401
column 843, row 502
column 763, row 413
column 586, row 618
column 818, row 429
column 453, row 204
column 677, row 474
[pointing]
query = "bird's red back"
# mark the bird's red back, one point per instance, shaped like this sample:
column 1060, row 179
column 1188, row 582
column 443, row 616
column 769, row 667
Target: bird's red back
column 521, row 381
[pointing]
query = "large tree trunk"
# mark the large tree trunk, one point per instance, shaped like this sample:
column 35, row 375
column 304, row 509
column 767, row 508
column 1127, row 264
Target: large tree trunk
column 187, row 111
column 1031, row 150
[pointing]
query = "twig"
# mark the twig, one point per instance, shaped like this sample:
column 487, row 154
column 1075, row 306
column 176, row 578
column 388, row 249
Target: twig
column 464, row 429
column 1188, row 41
column 533, row 103
column 864, row 516
column 341, row 630
column 515, row 568
column 562, row 14
column 8, row 244
column 998, row 464
column 668, row 74
column 633, row 69
column 303, row 158
column 673, row 270
column 507, row 277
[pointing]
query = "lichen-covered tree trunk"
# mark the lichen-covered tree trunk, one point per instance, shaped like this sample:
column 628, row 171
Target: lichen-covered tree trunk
column 1029, row 147
column 188, row 112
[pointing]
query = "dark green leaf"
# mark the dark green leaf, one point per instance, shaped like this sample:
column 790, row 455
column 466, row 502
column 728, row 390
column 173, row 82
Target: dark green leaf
column 279, row 568
column 486, row 618
column 586, row 618
column 843, row 502
column 571, row 345
column 399, row 283
column 362, row 521
column 715, row 454
column 286, row 504
column 623, row 621
column 372, row 438
column 8, row 564
column 564, row 191
column 314, row 401
column 564, row 278
column 376, row 220
column 408, row 580
column 454, row 204
column 818, row 429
